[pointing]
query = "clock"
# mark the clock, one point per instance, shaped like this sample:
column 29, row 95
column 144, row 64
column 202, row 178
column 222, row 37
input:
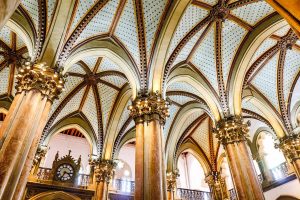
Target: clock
column 65, row 172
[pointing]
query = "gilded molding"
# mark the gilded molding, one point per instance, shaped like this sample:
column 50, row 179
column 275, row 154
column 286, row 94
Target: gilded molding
column 40, row 77
column 171, row 180
column 232, row 130
column 290, row 146
column 104, row 169
column 149, row 107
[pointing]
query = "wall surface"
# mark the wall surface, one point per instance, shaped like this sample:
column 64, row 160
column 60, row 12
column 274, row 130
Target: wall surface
column 63, row 143
column 291, row 188
column 127, row 156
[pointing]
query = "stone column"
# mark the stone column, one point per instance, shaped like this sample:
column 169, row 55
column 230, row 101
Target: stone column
column 217, row 186
column 290, row 146
column 232, row 133
column 104, row 170
column 171, row 184
column 149, row 113
column 37, row 86
column 7, row 8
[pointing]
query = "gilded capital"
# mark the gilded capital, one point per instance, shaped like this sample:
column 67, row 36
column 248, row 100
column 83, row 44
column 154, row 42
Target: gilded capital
column 290, row 146
column 232, row 130
column 40, row 77
column 40, row 153
column 149, row 107
column 171, row 180
column 104, row 170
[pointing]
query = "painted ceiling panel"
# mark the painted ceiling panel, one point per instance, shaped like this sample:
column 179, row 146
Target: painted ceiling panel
column 283, row 31
column 115, row 80
column 232, row 36
column 81, row 10
column 266, row 81
column 253, row 12
column 71, row 106
column 101, row 22
column 124, row 117
column 19, row 43
column 186, row 50
column 4, row 75
column 32, row 7
column 51, row 6
column 210, row 2
column 5, row 35
column 201, row 136
column 205, row 58
column 107, row 98
column 180, row 99
column 90, row 61
column 265, row 45
column 153, row 11
column 126, row 31
column 182, row 86
column 76, row 68
column 290, row 70
column 90, row 111
column 173, row 111
column 190, row 120
column 108, row 65
column 250, row 106
column 192, row 16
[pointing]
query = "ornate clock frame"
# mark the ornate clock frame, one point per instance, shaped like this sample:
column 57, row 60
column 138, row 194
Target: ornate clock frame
column 69, row 160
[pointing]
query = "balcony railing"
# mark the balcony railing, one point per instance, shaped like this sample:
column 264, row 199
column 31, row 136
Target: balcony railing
column 232, row 194
column 187, row 194
column 280, row 172
column 123, row 186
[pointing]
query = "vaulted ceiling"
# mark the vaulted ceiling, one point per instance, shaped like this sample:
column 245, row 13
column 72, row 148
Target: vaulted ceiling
column 111, row 50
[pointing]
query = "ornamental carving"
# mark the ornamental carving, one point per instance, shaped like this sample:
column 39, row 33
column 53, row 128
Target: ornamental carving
column 290, row 146
column 171, row 180
column 232, row 130
column 40, row 153
column 40, row 77
column 149, row 107
column 104, row 170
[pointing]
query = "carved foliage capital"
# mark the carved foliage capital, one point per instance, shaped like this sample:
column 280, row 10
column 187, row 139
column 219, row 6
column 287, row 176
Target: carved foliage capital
column 104, row 170
column 41, row 78
column 149, row 107
column 290, row 146
column 171, row 180
column 232, row 130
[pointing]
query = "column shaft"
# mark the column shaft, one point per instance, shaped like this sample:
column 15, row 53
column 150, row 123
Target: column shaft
column 101, row 190
column 7, row 8
column 139, row 161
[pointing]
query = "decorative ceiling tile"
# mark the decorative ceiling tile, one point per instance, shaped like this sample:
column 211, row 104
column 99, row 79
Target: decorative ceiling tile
column 265, row 45
column 210, row 2
column 5, row 35
column 266, row 81
column 190, row 120
column 153, row 11
column 115, row 80
column 90, row 61
column 82, row 8
column 51, row 6
column 181, row 99
column 191, row 17
column 108, row 65
column 71, row 106
column 182, row 86
column 173, row 111
column 232, row 36
column 124, row 116
column 90, row 111
column 4, row 76
column 205, row 58
column 126, row 31
column 108, row 97
column 201, row 136
column 253, row 12
column 290, row 70
column 70, row 85
column 76, row 68
column 32, row 8
column 101, row 22
column 19, row 43
column 250, row 106
column 283, row 31
column 186, row 50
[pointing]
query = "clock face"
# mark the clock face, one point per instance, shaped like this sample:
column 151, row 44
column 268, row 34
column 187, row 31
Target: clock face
column 65, row 172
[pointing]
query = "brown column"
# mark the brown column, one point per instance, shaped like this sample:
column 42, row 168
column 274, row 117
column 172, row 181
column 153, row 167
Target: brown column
column 217, row 186
column 171, row 184
column 7, row 8
column 37, row 87
column 290, row 146
column 232, row 133
column 104, row 170
column 149, row 113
